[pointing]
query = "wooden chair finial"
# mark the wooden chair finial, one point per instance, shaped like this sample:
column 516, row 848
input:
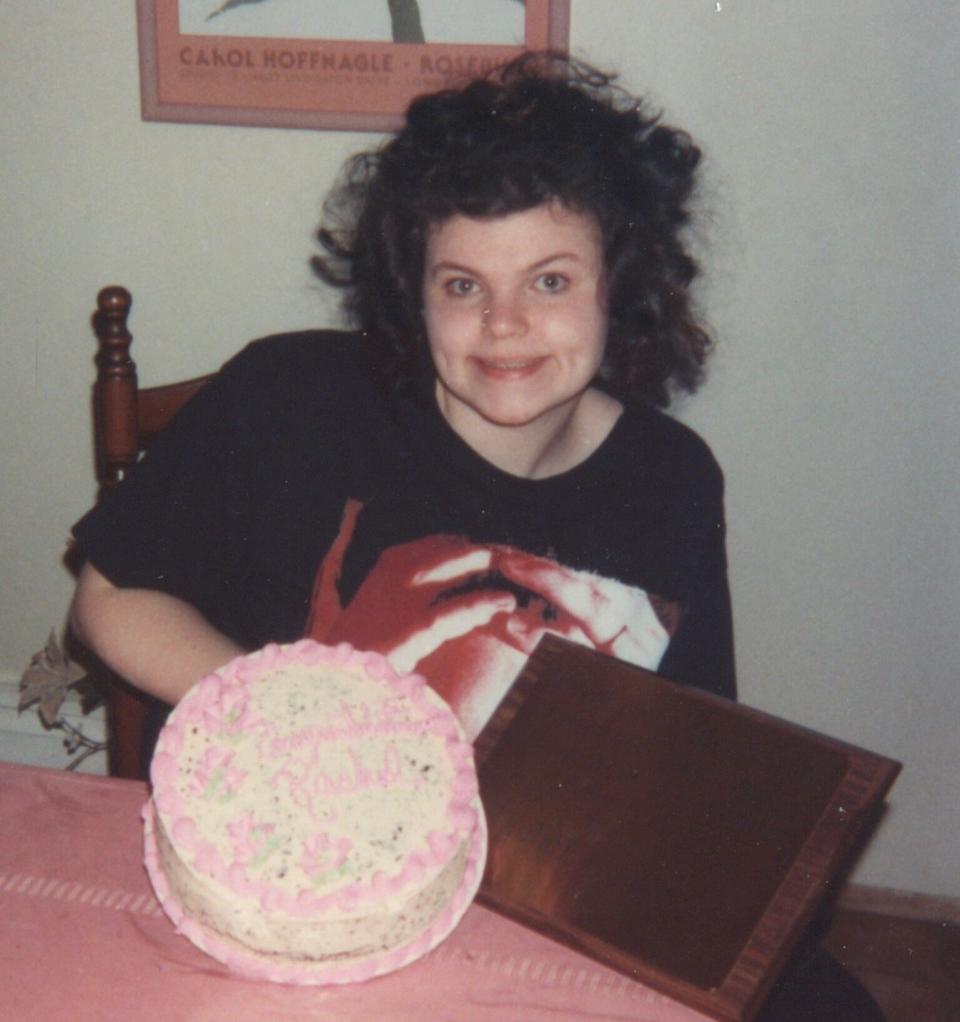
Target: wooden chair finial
column 116, row 389
column 114, row 297
column 110, row 323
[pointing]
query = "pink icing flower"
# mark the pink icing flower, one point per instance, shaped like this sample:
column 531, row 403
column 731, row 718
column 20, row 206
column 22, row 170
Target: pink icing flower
column 346, row 900
column 308, row 902
column 206, row 859
column 323, row 854
column 270, row 656
column 342, row 652
column 233, row 778
column 205, row 697
column 184, row 830
column 375, row 665
column 163, row 769
column 250, row 840
column 223, row 704
column 443, row 725
column 209, row 773
column 415, row 866
column 246, row 673
column 465, row 784
column 237, row 875
column 441, row 844
column 309, row 652
column 271, row 900
column 235, row 708
column 167, row 800
column 463, row 818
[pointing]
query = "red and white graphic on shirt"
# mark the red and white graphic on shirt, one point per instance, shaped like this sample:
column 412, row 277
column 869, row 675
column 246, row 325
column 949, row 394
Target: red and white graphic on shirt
column 467, row 616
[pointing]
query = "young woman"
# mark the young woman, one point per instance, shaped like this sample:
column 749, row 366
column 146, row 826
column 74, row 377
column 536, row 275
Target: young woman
column 485, row 459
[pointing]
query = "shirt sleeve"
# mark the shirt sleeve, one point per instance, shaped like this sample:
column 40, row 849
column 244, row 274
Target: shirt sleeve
column 702, row 651
column 176, row 523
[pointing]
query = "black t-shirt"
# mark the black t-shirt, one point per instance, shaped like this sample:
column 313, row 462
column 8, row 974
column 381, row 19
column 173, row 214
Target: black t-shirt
column 293, row 497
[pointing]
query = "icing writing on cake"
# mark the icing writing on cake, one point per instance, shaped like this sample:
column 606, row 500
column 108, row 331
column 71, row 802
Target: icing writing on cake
column 383, row 770
column 354, row 722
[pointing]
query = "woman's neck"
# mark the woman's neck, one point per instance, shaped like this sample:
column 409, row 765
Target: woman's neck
column 552, row 444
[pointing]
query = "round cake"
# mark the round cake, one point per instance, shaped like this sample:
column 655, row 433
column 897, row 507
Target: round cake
column 314, row 816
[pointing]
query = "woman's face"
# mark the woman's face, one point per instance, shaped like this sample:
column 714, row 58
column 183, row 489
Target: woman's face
column 514, row 308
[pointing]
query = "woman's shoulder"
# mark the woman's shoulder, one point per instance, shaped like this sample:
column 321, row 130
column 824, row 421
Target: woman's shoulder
column 661, row 449
column 310, row 352
column 662, row 435
column 324, row 366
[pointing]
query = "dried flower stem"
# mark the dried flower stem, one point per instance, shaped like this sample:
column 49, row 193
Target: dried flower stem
column 78, row 740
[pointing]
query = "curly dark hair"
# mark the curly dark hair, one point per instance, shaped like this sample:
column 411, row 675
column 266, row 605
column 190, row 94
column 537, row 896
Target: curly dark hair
column 540, row 129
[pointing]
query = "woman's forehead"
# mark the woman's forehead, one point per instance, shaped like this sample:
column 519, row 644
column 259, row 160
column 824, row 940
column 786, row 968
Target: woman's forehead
column 547, row 229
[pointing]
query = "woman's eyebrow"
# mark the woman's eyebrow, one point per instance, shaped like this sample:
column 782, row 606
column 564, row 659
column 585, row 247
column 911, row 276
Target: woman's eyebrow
column 448, row 266
column 557, row 256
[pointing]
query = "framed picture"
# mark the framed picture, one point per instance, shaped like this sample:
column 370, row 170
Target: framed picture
column 343, row 64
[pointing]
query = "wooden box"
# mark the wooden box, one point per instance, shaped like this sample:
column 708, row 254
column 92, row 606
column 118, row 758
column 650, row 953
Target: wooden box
column 678, row 837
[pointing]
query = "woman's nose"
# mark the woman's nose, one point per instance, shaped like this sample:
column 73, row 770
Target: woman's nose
column 504, row 316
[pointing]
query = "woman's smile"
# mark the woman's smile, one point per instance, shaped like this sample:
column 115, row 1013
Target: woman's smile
column 509, row 368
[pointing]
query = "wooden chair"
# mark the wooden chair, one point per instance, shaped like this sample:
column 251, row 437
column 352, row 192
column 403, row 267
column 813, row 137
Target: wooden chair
column 127, row 419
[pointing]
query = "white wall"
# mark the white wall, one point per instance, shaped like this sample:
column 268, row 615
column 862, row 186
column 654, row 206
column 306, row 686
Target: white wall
column 830, row 131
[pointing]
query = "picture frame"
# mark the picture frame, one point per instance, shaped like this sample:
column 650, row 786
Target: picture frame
column 262, row 63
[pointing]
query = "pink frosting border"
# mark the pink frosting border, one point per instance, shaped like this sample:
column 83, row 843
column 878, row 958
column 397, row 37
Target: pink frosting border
column 465, row 813
column 319, row 973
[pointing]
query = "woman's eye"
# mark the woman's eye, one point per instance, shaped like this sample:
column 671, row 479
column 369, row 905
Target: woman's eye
column 551, row 282
column 460, row 287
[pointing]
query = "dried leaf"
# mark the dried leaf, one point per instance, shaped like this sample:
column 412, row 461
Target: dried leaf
column 60, row 663
column 92, row 693
column 50, row 704
column 46, row 681
column 36, row 682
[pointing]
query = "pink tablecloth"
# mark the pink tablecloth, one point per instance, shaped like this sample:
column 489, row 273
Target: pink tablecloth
column 82, row 938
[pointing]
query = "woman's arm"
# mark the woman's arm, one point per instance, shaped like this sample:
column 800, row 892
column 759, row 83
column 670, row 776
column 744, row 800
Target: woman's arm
column 158, row 643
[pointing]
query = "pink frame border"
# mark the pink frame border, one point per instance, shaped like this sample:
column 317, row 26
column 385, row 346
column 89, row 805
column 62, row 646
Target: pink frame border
column 309, row 83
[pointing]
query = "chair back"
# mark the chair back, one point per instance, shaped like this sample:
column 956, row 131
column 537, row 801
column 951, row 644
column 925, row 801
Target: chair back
column 127, row 419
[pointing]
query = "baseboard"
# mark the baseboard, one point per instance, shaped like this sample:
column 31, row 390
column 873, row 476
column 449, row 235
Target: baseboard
column 889, row 901
column 904, row 947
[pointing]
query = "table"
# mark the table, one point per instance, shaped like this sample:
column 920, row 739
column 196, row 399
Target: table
column 82, row 938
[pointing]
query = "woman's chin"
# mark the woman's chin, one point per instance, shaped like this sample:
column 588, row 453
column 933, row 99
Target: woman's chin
column 518, row 415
